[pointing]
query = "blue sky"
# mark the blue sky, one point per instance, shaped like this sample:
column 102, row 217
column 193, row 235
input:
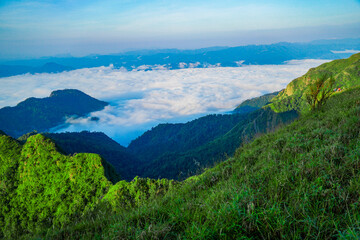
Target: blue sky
column 40, row 28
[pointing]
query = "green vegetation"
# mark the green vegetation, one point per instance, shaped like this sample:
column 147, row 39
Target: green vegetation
column 346, row 73
column 139, row 191
column 301, row 182
column 73, row 143
column 180, row 165
column 42, row 188
column 320, row 91
column 42, row 114
column 181, row 137
column 124, row 163
column 255, row 103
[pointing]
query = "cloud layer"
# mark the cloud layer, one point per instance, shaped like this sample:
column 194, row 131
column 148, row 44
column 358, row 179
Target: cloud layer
column 141, row 99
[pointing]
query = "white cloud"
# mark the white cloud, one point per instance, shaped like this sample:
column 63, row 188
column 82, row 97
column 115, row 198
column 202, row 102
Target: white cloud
column 194, row 65
column 182, row 65
column 151, row 67
column 239, row 63
column 208, row 65
column 347, row 51
column 141, row 99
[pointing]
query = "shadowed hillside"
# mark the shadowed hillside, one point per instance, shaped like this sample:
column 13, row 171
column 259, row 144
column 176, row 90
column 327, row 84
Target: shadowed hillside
column 41, row 114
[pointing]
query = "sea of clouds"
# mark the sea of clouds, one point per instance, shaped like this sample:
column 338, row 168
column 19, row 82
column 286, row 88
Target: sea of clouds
column 141, row 99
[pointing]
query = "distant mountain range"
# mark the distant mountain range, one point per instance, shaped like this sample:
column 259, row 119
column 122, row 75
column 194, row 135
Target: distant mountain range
column 49, row 67
column 41, row 114
column 200, row 58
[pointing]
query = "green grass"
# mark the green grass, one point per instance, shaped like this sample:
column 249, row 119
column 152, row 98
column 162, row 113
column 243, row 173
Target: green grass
column 301, row 182
column 346, row 73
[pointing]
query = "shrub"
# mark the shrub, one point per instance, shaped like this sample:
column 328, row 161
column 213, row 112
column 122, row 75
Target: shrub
column 320, row 91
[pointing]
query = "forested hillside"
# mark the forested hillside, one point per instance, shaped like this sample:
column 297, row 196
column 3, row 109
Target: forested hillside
column 180, row 165
column 177, row 151
column 41, row 114
column 182, row 137
column 255, row 103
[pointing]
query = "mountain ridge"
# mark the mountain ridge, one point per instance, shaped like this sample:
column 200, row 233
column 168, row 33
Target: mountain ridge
column 346, row 73
column 277, row 53
column 123, row 161
column 41, row 114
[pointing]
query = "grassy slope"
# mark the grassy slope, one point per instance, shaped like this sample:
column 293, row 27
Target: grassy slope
column 345, row 71
column 303, row 181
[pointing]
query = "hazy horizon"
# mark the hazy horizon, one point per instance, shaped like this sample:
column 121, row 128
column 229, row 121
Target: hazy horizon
column 123, row 51
column 32, row 29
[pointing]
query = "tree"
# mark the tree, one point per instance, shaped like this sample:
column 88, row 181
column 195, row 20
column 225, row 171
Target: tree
column 320, row 91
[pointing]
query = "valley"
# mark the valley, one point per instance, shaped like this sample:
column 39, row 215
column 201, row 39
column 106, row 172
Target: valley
column 218, row 176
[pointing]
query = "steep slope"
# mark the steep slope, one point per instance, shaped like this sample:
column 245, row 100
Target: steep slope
column 182, row 137
column 9, row 161
column 125, row 163
column 179, row 165
column 255, row 103
column 346, row 73
column 84, row 142
column 42, row 114
column 41, row 188
column 301, row 182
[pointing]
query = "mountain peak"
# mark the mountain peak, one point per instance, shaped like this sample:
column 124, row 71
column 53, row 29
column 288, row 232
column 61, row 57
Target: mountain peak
column 42, row 114
column 67, row 92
